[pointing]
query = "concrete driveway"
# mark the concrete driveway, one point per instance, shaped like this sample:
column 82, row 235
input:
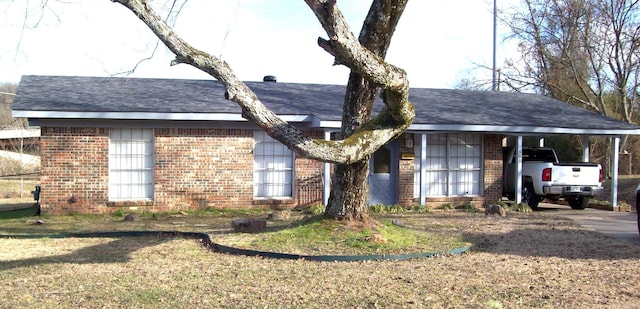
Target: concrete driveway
column 621, row 225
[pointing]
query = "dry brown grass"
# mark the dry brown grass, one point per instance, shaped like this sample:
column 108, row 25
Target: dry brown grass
column 16, row 189
column 520, row 261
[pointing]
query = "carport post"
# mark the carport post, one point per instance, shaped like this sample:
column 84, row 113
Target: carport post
column 518, row 155
column 423, row 168
column 327, row 175
column 585, row 148
column 614, row 172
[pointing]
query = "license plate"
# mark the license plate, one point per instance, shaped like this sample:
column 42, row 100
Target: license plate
column 575, row 189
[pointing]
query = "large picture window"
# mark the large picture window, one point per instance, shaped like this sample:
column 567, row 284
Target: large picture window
column 272, row 168
column 453, row 166
column 130, row 164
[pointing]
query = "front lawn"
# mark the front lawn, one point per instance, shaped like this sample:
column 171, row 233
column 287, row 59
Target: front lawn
column 522, row 260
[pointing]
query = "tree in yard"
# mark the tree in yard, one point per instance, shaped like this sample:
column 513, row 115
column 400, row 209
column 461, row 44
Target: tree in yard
column 361, row 134
column 583, row 52
column 579, row 51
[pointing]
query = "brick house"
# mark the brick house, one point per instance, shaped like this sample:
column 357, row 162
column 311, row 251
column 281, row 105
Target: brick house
column 161, row 144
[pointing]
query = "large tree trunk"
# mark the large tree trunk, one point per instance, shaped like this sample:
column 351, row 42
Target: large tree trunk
column 349, row 198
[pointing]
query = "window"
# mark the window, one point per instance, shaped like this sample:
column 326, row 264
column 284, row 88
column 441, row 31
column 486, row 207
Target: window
column 130, row 164
column 453, row 165
column 272, row 168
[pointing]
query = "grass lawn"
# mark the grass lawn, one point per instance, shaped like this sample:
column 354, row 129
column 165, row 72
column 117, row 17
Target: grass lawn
column 519, row 261
column 533, row 260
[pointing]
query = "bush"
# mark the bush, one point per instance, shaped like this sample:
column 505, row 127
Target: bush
column 467, row 207
column 316, row 210
column 384, row 209
column 377, row 208
column 523, row 207
column 420, row 208
column 447, row 206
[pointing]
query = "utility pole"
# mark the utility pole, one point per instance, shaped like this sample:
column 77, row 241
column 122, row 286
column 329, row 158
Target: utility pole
column 494, row 82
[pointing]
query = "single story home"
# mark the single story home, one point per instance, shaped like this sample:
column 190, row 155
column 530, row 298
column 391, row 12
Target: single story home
column 163, row 144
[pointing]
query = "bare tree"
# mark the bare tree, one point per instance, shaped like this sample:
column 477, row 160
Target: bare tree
column 7, row 91
column 361, row 134
column 579, row 51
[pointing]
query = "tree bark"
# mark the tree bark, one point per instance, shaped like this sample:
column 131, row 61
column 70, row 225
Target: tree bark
column 349, row 198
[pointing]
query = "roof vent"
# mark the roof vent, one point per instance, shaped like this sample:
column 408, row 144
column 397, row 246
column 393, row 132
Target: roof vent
column 269, row 78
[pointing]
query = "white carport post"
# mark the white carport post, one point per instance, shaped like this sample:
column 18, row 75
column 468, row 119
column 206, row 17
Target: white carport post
column 423, row 169
column 614, row 172
column 585, row 148
column 518, row 154
column 327, row 175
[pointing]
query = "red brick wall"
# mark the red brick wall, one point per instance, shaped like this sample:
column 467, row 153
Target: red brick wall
column 197, row 168
column 74, row 169
column 194, row 168
column 406, row 172
column 492, row 168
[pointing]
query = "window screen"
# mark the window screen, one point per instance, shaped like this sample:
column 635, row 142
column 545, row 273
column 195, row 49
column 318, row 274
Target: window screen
column 130, row 164
column 272, row 167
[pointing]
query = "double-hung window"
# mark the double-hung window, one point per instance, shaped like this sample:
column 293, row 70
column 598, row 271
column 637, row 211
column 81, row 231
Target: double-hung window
column 272, row 168
column 130, row 164
column 453, row 165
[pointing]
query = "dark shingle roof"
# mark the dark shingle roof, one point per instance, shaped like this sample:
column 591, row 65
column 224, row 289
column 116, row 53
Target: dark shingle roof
column 436, row 109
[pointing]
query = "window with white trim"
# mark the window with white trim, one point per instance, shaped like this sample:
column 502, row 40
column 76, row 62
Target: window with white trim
column 130, row 164
column 453, row 166
column 272, row 168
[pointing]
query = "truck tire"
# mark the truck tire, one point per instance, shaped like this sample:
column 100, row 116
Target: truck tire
column 578, row 202
column 529, row 196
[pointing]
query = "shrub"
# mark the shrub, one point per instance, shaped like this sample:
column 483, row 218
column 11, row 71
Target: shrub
column 377, row 208
column 316, row 210
column 523, row 207
column 420, row 208
column 447, row 206
column 467, row 207
column 119, row 213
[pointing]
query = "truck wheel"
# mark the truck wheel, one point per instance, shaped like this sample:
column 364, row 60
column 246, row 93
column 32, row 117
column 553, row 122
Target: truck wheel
column 529, row 196
column 579, row 202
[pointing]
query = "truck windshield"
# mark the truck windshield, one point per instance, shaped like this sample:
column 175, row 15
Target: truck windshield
column 540, row 155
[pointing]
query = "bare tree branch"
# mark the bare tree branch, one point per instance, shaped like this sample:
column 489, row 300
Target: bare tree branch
column 389, row 124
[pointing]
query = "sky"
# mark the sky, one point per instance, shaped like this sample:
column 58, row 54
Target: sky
column 436, row 42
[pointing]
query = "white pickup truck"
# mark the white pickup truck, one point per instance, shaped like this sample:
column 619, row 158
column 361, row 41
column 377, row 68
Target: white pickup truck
column 543, row 176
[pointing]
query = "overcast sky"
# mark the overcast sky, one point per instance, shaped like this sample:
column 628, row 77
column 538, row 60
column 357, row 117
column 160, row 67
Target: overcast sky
column 437, row 42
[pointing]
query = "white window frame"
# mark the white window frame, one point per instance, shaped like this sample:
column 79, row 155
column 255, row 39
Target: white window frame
column 454, row 165
column 131, row 164
column 273, row 168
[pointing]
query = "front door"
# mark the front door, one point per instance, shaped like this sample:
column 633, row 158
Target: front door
column 383, row 175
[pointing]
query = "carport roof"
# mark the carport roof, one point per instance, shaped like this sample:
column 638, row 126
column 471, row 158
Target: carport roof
column 441, row 110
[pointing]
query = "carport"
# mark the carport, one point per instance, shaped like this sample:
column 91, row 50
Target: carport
column 514, row 115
